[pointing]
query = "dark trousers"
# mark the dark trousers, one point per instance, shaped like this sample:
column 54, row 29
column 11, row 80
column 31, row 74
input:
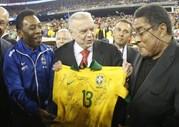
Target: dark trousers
column 26, row 121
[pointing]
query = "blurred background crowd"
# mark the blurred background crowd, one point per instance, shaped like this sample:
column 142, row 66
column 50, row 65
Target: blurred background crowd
column 54, row 14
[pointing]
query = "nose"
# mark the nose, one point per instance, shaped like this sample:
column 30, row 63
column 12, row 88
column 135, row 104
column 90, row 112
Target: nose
column 120, row 33
column 90, row 33
column 137, row 39
column 38, row 30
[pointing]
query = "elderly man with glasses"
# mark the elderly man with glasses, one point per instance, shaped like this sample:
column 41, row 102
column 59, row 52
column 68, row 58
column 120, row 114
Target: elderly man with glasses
column 154, row 84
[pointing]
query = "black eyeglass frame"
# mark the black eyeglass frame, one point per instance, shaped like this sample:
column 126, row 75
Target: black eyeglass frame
column 140, row 34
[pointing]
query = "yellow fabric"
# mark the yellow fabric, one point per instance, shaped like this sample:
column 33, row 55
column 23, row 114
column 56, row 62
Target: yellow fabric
column 87, row 98
column 51, row 33
column 104, row 33
column 109, row 35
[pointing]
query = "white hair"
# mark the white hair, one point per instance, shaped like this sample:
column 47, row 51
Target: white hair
column 62, row 31
column 5, row 12
column 77, row 16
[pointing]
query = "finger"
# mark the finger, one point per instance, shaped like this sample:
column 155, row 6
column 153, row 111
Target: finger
column 50, row 116
column 57, row 66
column 129, row 72
column 126, row 67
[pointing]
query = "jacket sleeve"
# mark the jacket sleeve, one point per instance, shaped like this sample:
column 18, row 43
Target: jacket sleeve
column 12, row 77
column 117, row 57
column 51, row 74
column 52, row 107
column 4, row 47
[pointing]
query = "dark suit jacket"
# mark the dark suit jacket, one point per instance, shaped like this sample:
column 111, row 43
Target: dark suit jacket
column 106, row 55
column 156, row 103
column 9, row 39
column 4, row 104
column 131, row 54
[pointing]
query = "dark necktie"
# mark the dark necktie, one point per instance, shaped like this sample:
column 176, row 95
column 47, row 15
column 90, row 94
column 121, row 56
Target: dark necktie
column 84, row 61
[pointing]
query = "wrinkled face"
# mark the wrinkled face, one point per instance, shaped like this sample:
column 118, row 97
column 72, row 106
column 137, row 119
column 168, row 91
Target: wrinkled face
column 122, row 33
column 83, row 32
column 62, row 38
column 3, row 22
column 149, row 45
column 31, row 32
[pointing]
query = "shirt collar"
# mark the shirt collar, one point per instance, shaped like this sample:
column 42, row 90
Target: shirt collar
column 78, row 49
column 28, row 51
column 93, row 66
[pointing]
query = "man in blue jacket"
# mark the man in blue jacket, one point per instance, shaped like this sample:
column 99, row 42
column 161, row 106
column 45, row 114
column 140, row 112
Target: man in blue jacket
column 28, row 73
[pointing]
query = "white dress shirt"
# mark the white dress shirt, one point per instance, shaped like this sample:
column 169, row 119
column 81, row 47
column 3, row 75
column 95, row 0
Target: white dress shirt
column 124, row 52
column 78, row 55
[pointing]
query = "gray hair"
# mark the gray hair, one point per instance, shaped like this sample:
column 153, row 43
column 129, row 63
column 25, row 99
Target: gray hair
column 62, row 31
column 78, row 16
column 5, row 12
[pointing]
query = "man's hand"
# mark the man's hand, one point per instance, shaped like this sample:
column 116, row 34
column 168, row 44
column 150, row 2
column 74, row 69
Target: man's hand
column 57, row 66
column 127, row 67
column 46, row 117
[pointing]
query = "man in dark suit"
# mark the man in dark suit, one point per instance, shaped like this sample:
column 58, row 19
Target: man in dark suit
column 154, row 84
column 122, row 34
column 4, row 45
column 81, row 27
column 4, row 100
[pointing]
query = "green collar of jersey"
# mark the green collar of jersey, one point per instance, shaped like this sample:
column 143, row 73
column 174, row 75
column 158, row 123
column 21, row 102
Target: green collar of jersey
column 93, row 66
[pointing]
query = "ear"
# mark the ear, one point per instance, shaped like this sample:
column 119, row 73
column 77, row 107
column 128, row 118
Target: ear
column 163, row 29
column 19, row 33
column 129, row 40
column 7, row 25
column 71, row 33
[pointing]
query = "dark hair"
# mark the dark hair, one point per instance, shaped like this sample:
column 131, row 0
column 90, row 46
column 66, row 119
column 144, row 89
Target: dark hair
column 154, row 15
column 20, row 17
column 126, row 21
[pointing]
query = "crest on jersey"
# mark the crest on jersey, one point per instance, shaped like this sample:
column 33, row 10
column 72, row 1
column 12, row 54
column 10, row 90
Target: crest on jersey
column 99, row 80
column 43, row 60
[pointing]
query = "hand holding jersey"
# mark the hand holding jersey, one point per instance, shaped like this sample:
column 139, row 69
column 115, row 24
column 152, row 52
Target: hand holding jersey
column 92, row 103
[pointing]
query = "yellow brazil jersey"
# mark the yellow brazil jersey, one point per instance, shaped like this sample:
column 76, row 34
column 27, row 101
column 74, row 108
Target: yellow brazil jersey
column 86, row 98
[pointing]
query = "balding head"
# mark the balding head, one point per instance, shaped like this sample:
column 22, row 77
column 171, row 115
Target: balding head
column 62, row 36
column 4, row 19
column 78, row 16
column 4, row 12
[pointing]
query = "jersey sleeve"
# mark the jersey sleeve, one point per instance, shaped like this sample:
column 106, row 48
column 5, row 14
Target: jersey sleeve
column 121, row 90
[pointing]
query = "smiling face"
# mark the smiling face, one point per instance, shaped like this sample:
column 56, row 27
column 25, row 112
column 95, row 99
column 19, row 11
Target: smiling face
column 31, row 32
column 83, row 31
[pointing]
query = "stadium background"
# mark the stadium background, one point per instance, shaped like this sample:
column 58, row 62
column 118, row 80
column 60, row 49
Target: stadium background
column 102, row 10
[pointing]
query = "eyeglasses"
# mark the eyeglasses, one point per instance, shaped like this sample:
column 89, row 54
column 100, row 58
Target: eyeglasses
column 140, row 33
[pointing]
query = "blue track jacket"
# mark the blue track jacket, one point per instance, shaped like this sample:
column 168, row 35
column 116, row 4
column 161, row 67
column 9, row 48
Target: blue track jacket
column 28, row 76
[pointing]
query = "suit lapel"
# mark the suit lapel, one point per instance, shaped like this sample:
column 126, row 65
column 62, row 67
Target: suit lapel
column 71, row 56
column 129, row 55
column 137, row 64
column 97, row 53
column 159, row 69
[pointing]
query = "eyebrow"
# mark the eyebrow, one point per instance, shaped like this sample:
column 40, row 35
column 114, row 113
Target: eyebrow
column 140, row 27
